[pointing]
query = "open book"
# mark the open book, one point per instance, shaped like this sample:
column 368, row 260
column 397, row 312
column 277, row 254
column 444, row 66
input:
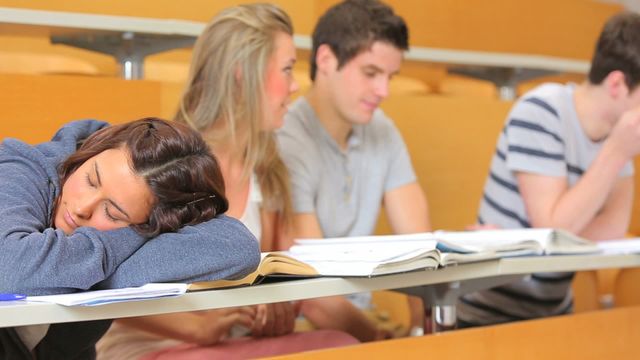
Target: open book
column 389, row 254
column 514, row 242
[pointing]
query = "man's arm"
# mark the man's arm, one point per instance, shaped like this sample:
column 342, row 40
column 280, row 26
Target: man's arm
column 551, row 203
column 407, row 210
column 305, row 225
column 598, row 205
column 613, row 221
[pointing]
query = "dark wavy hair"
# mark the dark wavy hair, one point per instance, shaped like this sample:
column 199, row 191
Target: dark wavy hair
column 618, row 48
column 174, row 161
column 352, row 26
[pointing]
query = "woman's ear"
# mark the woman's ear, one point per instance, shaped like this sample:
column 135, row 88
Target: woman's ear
column 616, row 85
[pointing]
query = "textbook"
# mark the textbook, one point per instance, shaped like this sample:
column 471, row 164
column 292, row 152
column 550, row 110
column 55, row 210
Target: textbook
column 511, row 241
column 368, row 256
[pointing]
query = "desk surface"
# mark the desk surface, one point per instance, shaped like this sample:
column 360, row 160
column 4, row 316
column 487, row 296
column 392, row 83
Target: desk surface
column 24, row 313
column 16, row 21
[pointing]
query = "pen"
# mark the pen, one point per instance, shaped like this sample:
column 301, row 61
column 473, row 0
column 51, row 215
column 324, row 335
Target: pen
column 11, row 297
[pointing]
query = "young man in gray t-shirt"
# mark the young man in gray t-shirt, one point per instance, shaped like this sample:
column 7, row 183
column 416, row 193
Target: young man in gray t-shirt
column 564, row 160
column 345, row 157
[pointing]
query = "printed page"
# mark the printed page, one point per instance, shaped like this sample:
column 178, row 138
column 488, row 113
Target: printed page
column 364, row 258
column 494, row 240
column 373, row 239
column 622, row 246
column 360, row 251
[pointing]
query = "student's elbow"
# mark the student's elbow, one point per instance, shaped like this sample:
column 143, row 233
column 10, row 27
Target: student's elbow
column 251, row 251
column 245, row 252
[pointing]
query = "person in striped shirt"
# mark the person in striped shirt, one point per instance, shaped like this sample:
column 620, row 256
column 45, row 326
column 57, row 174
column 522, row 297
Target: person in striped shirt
column 564, row 160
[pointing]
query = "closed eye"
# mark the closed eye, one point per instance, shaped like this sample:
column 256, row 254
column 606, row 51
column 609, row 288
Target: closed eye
column 108, row 214
column 88, row 180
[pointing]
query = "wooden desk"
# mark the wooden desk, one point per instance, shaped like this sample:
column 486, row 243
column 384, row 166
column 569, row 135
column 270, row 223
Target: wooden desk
column 440, row 287
column 605, row 334
column 505, row 70
column 130, row 39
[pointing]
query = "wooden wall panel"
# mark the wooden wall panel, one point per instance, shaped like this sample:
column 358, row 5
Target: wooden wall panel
column 33, row 107
column 607, row 334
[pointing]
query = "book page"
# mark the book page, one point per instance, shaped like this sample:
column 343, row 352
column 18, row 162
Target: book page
column 366, row 269
column 494, row 240
column 537, row 241
column 368, row 239
column 360, row 251
column 622, row 246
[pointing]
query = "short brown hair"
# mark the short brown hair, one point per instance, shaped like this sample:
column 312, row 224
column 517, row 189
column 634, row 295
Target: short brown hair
column 618, row 48
column 353, row 26
column 174, row 161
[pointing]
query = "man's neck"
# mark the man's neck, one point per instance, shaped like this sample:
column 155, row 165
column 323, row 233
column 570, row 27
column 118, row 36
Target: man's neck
column 338, row 128
column 591, row 106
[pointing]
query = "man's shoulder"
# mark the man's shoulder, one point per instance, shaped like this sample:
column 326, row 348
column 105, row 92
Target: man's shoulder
column 381, row 126
column 298, row 121
column 298, row 136
column 551, row 97
column 380, row 123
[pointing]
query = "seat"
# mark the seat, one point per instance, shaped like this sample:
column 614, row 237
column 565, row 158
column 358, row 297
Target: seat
column 465, row 86
column 585, row 291
column 627, row 287
column 44, row 64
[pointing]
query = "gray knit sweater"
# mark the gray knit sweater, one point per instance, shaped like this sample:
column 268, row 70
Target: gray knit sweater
column 36, row 259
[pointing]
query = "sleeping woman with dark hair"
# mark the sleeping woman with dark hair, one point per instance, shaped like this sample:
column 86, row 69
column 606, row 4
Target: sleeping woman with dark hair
column 134, row 203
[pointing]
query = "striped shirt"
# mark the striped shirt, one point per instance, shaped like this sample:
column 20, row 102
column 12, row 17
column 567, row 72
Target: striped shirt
column 542, row 135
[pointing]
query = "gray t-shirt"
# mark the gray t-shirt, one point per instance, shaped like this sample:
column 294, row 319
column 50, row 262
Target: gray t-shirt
column 344, row 188
column 542, row 135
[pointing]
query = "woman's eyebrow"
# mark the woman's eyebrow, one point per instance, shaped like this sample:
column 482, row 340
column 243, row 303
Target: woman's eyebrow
column 96, row 169
column 119, row 208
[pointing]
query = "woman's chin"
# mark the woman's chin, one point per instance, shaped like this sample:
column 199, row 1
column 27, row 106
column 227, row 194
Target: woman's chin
column 59, row 224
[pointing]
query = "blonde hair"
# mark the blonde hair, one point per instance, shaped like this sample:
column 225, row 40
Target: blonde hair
column 226, row 83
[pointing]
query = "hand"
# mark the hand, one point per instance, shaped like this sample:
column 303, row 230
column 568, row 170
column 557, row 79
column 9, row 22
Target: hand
column 215, row 324
column 275, row 319
column 625, row 135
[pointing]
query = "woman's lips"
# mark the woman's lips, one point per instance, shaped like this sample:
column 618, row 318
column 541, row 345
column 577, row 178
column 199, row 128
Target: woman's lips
column 69, row 220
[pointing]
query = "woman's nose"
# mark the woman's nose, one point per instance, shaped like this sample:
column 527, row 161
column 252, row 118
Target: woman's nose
column 85, row 207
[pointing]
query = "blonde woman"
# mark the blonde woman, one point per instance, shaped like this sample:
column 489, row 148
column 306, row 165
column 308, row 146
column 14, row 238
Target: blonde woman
column 236, row 96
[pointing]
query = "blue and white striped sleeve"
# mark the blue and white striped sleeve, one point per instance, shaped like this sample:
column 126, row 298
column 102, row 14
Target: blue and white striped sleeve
column 535, row 142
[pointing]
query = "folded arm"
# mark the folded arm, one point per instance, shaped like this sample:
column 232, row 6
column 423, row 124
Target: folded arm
column 221, row 248
column 36, row 259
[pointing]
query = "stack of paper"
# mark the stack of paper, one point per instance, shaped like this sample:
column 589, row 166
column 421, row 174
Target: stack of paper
column 101, row 297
